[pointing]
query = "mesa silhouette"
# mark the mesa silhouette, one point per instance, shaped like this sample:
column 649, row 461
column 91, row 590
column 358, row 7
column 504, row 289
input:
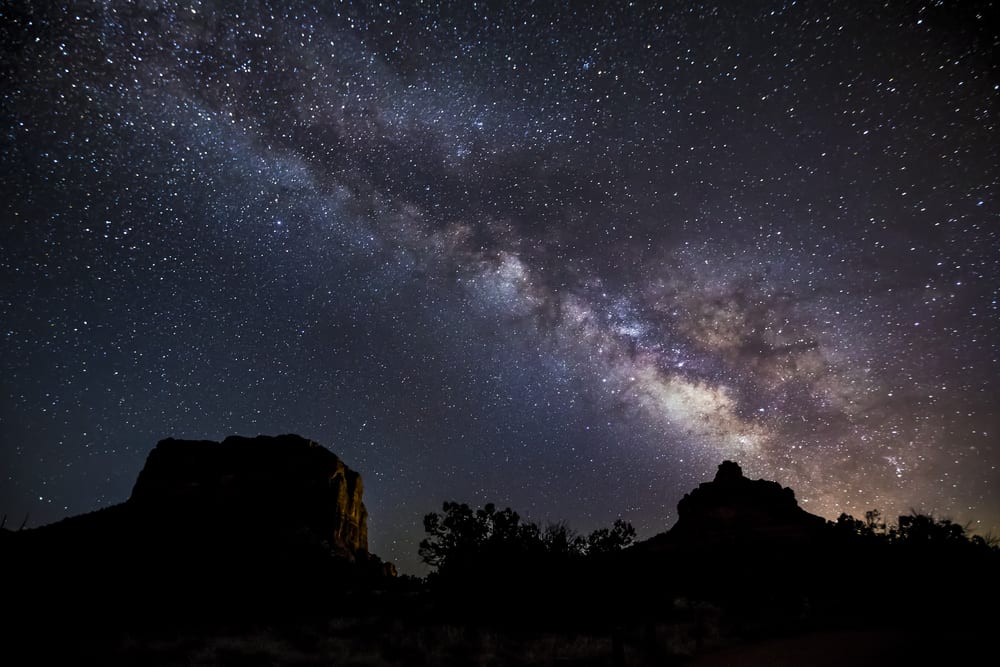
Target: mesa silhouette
column 240, row 523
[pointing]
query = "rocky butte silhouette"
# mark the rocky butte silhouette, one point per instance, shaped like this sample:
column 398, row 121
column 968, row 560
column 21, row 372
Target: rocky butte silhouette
column 283, row 486
column 733, row 510
column 238, row 524
column 735, row 538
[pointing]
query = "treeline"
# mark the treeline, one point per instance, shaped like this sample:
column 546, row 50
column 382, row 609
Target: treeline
column 914, row 530
column 460, row 534
column 488, row 561
column 928, row 565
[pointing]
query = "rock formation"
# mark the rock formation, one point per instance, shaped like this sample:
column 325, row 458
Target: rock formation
column 240, row 524
column 733, row 536
column 258, row 483
column 733, row 508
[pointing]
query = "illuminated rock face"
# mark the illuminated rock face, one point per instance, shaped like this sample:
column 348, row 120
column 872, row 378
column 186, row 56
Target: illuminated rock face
column 265, row 485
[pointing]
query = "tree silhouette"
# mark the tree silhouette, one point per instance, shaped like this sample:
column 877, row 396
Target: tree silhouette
column 925, row 529
column 461, row 532
column 874, row 525
column 561, row 540
column 914, row 529
column 460, row 536
column 607, row 540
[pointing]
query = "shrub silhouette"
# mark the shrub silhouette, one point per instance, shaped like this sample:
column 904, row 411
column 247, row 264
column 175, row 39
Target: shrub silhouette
column 921, row 528
column 460, row 534
column 608, row 540
column 487, row 559
column 914, row 530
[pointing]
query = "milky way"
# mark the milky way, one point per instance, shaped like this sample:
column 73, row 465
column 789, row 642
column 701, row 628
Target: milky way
column 556, row 256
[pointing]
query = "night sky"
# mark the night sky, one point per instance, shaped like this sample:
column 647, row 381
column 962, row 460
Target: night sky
column 558, row 256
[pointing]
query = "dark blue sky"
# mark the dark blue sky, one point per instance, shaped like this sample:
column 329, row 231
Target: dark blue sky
column 552, row 255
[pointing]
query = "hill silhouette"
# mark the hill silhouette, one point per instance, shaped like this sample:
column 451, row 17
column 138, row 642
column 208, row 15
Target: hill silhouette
column 222, row 545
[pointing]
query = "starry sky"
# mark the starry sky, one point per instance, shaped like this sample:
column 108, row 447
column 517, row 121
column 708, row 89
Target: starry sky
column 562, row 256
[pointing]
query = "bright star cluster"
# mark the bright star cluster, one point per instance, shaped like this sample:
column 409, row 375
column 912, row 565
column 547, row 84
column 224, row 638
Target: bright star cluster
column 560, row 256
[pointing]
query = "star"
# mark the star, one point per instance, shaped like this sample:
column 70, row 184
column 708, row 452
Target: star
column 505, row 255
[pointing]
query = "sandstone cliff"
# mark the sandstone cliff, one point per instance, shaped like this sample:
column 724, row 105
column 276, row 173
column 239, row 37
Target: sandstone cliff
column 264, row 525
column 238, row 524
column 262, row 483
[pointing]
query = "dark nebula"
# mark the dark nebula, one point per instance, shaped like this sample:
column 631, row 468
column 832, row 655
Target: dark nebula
column 560, row 256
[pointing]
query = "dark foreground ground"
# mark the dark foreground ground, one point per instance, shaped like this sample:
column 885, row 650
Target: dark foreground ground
column 336, row 642
column 408, row 630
